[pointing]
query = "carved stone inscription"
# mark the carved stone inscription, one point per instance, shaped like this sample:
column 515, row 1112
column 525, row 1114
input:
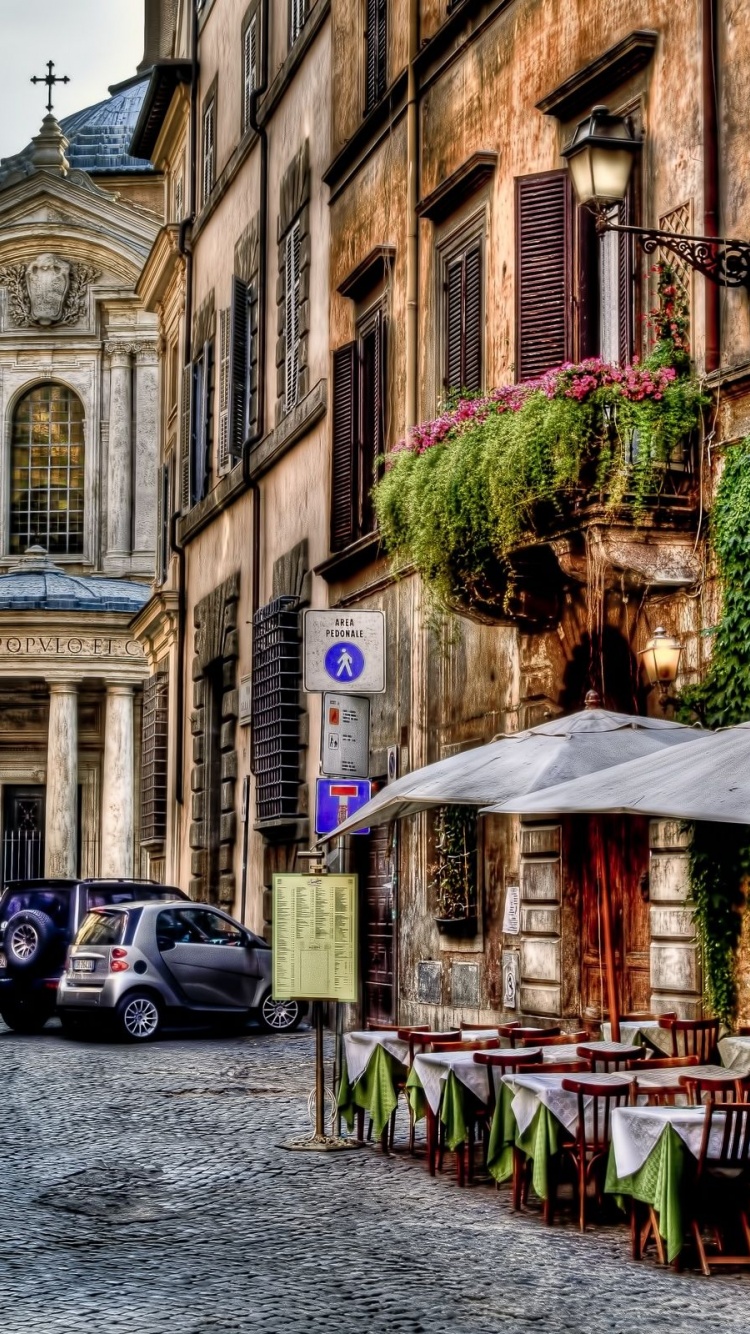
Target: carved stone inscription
column 49, row 290
column 68, row 646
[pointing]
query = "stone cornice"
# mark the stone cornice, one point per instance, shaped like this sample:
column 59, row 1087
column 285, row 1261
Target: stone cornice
column 163, row 264
column 155, row 626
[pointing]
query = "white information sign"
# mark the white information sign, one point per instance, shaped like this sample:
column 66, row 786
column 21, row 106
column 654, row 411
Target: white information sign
column 315, row 937
column 512, row 914
column 345, row 738
column 345, row 651
column 246, row 700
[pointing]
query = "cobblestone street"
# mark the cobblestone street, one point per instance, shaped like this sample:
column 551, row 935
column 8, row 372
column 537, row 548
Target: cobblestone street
column 144, row 1190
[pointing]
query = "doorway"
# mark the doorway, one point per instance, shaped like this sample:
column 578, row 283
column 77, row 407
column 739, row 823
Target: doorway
column 626, row 849
column 377, row 929
column 23, row 832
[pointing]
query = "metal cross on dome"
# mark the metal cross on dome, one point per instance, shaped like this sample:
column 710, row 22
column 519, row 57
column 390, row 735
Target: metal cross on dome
column 50, row 79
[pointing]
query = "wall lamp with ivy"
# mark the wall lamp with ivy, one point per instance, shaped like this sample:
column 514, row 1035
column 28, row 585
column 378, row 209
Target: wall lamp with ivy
column 600, row 158
column 661, row 659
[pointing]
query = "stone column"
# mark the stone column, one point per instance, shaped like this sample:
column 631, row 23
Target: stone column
column 61, row 823
column 119, row 458
column 146, row 448
column 117, row 784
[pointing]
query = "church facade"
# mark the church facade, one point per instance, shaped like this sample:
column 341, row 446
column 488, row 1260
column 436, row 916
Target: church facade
column 79, row 384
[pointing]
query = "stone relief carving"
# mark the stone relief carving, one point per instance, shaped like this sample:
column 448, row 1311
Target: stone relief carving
column 49, row 290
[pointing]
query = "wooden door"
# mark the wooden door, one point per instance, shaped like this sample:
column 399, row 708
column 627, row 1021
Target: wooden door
column 624, row 840
column 377, row 929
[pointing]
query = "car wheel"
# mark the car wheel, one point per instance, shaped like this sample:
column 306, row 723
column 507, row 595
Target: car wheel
column 138, row 1017
column 25, row 1016
column 28, row 936
column 279, row 1016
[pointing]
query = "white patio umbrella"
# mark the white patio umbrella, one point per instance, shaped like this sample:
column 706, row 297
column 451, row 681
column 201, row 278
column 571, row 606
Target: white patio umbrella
column 711, row 781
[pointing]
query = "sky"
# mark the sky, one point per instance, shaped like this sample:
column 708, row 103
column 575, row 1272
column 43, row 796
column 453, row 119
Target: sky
column 94, row 42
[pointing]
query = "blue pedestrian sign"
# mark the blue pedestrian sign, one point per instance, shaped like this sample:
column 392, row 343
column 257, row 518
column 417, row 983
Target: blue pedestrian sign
column 338, row 798
column 344, row 662
column 344, row 651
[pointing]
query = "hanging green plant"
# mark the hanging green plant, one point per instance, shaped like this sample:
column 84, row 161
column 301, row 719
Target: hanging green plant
column 493, row 473
column 720, row 854
column 453, row 873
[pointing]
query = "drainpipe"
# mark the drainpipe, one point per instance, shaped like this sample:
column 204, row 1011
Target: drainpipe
column 710, row 75
column 412, row 222
column 262, row 132
column 186, row 250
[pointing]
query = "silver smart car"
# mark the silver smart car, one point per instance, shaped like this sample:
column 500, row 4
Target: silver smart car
column 142, row 965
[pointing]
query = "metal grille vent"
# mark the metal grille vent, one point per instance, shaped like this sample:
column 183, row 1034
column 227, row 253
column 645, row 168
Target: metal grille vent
column 154, row 763
column 276, row 684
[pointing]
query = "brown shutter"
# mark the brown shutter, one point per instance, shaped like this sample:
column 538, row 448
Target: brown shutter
column 186, row 433
column 372, row 420
column 472, row 336
column 544, row 273
column 345, row 416
column 454, row 291
column 238, row 366
column 224, row 335
column 625, row 270
column 382, row 81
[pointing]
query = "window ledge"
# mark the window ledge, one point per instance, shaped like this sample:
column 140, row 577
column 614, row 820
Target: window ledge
column 464, row 181
column 295, row 55
column 372, row 270
column 353, row 558
column 600, row 76
column 224, row 494
column 290, row 429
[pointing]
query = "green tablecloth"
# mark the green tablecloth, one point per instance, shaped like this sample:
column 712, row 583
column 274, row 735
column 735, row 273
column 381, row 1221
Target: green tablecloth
column 375, row 1090
column 539, row 1141
column 661, row 1183
column 452, row 1106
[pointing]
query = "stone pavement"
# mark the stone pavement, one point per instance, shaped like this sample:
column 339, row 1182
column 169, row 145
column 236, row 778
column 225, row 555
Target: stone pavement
column 143, row 1190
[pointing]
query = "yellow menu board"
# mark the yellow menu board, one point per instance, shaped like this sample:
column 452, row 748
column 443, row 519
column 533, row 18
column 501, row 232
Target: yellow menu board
column 315, row 937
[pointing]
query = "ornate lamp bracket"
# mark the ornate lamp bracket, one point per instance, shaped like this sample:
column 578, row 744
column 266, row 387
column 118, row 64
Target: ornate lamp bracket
column 719, row 259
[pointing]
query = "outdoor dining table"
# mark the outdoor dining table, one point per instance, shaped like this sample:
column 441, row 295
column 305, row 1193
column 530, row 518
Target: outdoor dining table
column 735, row 1053
column 534, row 1113
column 652, row 1154
column 646, row 1032
column 374, row 1062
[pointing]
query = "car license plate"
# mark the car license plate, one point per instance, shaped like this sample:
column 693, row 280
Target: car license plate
column 84, row 965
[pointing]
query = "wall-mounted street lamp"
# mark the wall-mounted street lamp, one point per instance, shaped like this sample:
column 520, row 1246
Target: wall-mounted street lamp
column 600, row 158
column 661, row 659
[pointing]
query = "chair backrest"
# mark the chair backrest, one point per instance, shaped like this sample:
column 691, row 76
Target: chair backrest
column 693, row 1037
column 425, row 1039
column 734, row 1148
column 719, row 1089
column 504, row 1029
column 578, row 1067
column 609, row 1061
column 509, row 1061
column 556, row 1040
column 479, row 1044
column 480, row 1028
column 595, row 1103
column 517, row 1033
column 661, row 1062
column 648, row 1017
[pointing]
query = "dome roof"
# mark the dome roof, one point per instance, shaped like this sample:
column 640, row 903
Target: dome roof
column 98, row 137
column 35, row 584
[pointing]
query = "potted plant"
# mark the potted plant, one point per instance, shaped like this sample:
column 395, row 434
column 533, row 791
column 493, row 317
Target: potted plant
column 454, row 871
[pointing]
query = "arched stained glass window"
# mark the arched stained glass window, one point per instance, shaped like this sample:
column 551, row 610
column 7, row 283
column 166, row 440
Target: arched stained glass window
column 46, row 466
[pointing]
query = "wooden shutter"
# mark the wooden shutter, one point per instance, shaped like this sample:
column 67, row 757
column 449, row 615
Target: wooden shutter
column 371, row 444
column 463, row 320
column 543, row 273
column 625, row 274
column 186, row 439
column 224, row 339
column 204, row 444
column 345, row 418
column 291, row 320
column 382, row 48
column 208, row 149
column 250, row 68
column 238, row 366
column 296, row 19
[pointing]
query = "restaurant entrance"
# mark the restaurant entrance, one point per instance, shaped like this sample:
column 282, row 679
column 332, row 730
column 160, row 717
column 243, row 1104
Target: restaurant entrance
column 624, row 840
column 377, row 928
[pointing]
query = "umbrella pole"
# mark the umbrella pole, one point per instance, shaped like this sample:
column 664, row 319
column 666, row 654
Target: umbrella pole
column 605, row 901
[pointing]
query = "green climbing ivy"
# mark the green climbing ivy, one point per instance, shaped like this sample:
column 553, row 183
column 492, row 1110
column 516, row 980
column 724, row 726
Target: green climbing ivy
column 720, row 854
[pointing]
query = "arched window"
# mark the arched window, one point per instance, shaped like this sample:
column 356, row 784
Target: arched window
column 46, row 472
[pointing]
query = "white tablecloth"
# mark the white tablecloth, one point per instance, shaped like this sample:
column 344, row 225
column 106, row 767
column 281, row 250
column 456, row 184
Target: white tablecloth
column 648, row 1031
column 735, row 1053
column 359, row 1046
column 636, row 1131
column 433, row 1068
column 532, row 1090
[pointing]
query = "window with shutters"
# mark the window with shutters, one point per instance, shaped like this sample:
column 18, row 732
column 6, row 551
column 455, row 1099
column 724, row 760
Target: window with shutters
column 196, row 429
column 291, row 315
column 376, row 51
column 208, row 175
column 614, row 252
column 297, row 16
column 544, row 273
column 164, row 506
column 224, row 337
column 461, row 269
column 359, row 427
column 179, row 198
column 250, row 71
column 154, row 737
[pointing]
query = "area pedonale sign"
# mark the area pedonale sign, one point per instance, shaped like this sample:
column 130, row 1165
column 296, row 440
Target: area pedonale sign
column 344, row 651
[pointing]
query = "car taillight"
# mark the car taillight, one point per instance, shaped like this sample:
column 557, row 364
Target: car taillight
column 118, row 966
column 118, row 953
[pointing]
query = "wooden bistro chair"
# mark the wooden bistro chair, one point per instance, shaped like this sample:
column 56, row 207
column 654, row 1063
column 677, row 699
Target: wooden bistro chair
column 522, row 1166
column 719, row 1197
column 658, row 1097
column 423, row 1040
column 610, row 1062
column 693, row 1037
column 721, row 1089
column 477, row 1114
column 589, row 1149
column 517, row 1033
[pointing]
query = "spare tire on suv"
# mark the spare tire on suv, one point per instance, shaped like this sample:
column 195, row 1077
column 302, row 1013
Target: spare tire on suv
column 29, row 936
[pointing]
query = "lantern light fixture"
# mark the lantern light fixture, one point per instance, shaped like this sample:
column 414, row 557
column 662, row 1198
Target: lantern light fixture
column 600, row 159
column 661, row 660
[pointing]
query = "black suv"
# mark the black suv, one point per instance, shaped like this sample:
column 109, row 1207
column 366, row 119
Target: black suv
column 38, row 921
